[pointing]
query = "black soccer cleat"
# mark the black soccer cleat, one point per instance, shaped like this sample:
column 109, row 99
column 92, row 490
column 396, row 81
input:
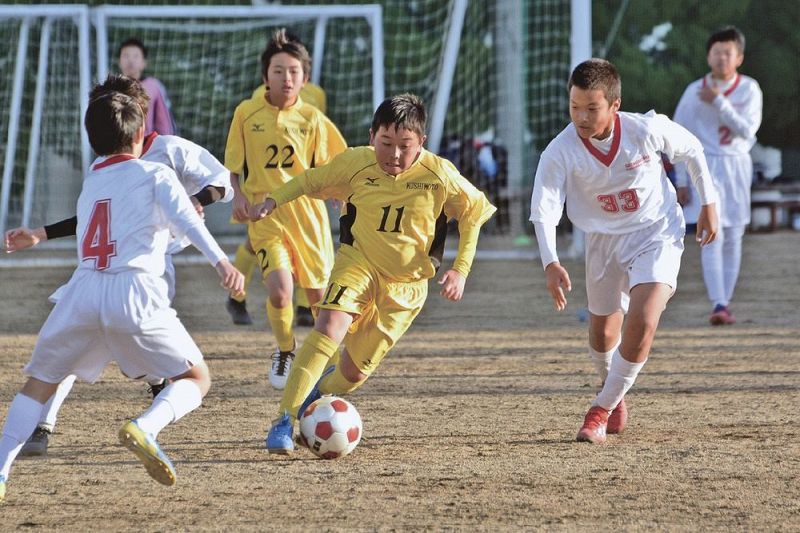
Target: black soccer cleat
column 36, row 445
column 238, row 312
column 156, row 389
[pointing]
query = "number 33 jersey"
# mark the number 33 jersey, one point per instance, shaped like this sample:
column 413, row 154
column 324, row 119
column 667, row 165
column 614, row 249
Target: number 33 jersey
column 622, row 190
column 397, row 222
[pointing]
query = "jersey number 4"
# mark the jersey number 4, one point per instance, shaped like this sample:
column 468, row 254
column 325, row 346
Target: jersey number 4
column 628, row 201
column 97, row 243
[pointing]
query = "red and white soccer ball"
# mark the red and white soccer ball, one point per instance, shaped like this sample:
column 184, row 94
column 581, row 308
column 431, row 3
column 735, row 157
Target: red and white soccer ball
column 330, row 427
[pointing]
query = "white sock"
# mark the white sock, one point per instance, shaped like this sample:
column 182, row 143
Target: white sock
column 731, row 259
column 620, row 379
column 711, row 259
column 602, row 360
column 48, row 418
column 23, row 415
column 176, row 400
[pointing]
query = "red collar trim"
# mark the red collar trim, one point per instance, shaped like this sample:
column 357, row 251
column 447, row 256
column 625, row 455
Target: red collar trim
column 731, row 88
column 114, row 159
column 148, row 141
column 608, row 158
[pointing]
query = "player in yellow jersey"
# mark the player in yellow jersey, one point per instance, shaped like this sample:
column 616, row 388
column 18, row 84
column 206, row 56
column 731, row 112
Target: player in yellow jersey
column 398, row 198
column 270, row 141
column 245, row 259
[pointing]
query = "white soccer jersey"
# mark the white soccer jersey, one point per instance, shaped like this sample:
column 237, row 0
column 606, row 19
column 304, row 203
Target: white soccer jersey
column 727, row 129
column 195, row 166
column 624, row 190
column 128, row 209
column 728, row 125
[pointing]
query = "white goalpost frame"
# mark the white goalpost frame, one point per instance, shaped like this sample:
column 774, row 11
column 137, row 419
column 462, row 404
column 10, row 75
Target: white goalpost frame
column 373, row 13
column 27, row 14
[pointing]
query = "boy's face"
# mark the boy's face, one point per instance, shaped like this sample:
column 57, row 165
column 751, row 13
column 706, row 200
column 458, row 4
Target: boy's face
column 591, row 113
column 132, row 62
column 285, row 78
column 724, row 58
column 396, row 149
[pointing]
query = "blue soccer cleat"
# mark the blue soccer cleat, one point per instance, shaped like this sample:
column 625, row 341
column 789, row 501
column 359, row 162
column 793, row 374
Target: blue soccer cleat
column 147, row 450
column 279, row 438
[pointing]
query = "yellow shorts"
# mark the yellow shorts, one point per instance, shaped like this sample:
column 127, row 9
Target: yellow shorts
column 296, row 237
column 386, row 309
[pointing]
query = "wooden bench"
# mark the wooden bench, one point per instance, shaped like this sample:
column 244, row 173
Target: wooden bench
column 790, row 203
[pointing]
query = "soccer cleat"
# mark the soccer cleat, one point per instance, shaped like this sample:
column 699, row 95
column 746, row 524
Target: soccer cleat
column 594, row 426
column 281, row 366
column 721, row 316
column 147, row 450
column 2, row 488
column 618, row 418
column 279, row 438
column 303, row 317
column 36, row 445
column 156, row 389
column 238, row 312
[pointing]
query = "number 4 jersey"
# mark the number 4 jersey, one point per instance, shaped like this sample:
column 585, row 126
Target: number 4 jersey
column 623, row 189
column 127, row 210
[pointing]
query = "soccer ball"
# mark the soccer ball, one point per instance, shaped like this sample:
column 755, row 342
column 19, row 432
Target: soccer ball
column 330, row 427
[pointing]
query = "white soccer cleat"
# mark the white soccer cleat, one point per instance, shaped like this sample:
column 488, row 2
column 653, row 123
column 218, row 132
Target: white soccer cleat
column 281, row 366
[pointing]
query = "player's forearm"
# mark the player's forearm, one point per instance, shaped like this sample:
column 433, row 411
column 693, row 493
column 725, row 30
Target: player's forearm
column 209, row 195
column 289, row 191
column 62, row 228
column 701, row 178
column 743, row 125
column 235, row 183
column 467, row 246
column 201, row 238
column 546, row 237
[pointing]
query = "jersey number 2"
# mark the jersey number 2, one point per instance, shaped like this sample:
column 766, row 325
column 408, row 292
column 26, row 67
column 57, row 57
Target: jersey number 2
column 725, row 135
column 629, row 201
column 97, row 243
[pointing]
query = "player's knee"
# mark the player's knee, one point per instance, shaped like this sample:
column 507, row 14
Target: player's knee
column 350, row 371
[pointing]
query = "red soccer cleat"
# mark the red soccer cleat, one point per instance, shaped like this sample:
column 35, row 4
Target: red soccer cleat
column 618, row 418
column 722, row 316
column 594, row 426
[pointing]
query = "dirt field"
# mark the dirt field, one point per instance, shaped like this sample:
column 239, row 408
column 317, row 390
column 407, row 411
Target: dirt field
column 469, row 424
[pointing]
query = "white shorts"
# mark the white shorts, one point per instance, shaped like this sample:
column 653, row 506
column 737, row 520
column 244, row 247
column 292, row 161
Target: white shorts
column 124, row 317
column 733, row 177
column 617, row 263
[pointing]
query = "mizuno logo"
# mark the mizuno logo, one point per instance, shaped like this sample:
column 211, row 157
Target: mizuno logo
column 257, row 127
column 371, row 182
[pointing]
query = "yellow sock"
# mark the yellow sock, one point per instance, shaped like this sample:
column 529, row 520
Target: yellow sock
column 301, row 297
column 281, row 321
column 336, row 383
column 309, row 362
column 244, row 262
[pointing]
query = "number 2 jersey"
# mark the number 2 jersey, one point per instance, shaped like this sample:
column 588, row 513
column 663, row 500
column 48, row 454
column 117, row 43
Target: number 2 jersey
column 623, row 190
column 398, row 223
column 128, row 210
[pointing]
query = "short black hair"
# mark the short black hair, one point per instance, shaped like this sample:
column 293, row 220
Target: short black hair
column 724, row 35
column 125, row 85
column 599, row 74
column 112, row 120
column 133, row 41
column 405, row 111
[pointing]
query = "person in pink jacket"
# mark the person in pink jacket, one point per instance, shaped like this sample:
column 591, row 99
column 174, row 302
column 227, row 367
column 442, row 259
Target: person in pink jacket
column 132, row 62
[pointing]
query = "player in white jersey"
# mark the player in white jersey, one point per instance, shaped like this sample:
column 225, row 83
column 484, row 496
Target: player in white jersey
column 115, row 306
column 723, row 109
column 607, row 166
column 202, row 176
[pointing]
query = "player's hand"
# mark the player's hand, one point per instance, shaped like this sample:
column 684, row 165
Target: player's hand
column 259, row 211
column 198, row 207
column 452, row 283
column 21, row 238
column 230, row 278
column 707, row 224
column 241, row 207
column 708, row 94
column 557, row 280
column 684, row 195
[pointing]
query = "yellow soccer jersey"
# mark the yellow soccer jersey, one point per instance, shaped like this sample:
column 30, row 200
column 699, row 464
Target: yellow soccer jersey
column 268, row 146
column 397, row 222
column 310, row 93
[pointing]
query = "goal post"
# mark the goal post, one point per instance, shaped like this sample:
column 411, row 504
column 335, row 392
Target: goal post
column 42, row 104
